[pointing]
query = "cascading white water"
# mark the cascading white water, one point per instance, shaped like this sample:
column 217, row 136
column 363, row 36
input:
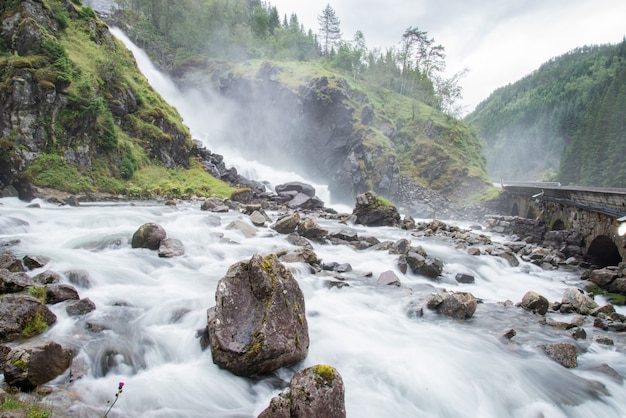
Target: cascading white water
column 143, row 331
column 149, row 309
column 209, row 117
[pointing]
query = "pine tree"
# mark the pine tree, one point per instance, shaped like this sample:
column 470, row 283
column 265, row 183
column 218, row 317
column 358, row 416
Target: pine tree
column 330, row 30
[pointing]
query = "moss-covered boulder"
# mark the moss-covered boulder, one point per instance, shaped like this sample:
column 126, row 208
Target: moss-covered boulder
column 258, row 323
column 23, row 316
column 316, row 391
column 372, row 210
column 31, row 365
column 148, row 236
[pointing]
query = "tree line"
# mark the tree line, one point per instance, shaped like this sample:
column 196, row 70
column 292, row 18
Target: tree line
column 246, row 29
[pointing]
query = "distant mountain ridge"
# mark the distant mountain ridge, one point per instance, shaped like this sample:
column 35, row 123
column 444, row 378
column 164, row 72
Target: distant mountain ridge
column 563, row 122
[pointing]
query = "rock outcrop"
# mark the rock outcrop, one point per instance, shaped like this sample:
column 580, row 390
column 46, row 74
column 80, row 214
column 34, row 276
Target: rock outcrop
column 31, row 365
column 316, row 391
column 371, row 210
column 259, row 322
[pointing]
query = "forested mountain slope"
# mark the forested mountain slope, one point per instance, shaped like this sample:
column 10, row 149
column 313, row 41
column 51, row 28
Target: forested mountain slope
column 563, row 122
column 354, row 118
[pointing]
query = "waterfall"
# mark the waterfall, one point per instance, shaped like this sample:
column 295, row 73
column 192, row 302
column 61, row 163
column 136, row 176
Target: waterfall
column 149, row 310
column 208, row 117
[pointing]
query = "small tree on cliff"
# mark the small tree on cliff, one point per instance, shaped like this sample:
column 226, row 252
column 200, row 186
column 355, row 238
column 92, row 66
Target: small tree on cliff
column 330, row 30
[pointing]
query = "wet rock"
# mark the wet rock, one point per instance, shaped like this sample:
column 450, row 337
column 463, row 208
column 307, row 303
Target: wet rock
column 402, row 264
column 301, row 255
column 80, row 307
column 211, row 203
column 605, row 310
column 339, row 268
column 297, row 240
column 287, row 224
column 618, row 286
column 296, row 186
column 31, row 365
column 58, row 292
column 242, row 226
column 308, row 228
column 534, row 302
column 508, row 334
column 245, row 195
column 14, row 282
column 473, row 251
column 509, row 257
column 581, row 303
column 148, row 236
column 23, row 316
column 388, row 278
column 345, row 235
column 10, row 262
column 604, row 340
column 303, row 201
column 257, row 218
column 48, row 277
column 429, row 267
column 563, row 353
column 33, row 262
column 464, row 278
column 171, row 247
column 317, row 391
column 579, row 334
column 603, row 277
column 402, row 247
column 371, row 210
column 458, row 305
column 258, row 323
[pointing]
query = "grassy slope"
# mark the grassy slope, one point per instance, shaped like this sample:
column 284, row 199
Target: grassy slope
column 82, row 41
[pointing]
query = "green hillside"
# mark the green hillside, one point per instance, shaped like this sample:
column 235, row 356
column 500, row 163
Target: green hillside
column 413, row 127
column 79, row 117
column 563, row 122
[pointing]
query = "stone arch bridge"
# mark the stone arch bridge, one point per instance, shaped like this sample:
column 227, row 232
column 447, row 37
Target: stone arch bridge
column 596, row 213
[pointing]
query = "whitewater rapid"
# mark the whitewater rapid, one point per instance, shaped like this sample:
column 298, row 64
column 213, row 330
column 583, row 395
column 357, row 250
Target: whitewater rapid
column 149, row 310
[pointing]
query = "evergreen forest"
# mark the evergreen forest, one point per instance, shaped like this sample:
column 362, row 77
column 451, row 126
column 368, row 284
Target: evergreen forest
column 564, row 122
column 178, row 34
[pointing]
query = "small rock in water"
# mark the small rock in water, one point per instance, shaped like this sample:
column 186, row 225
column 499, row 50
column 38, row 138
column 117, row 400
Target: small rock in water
column 388, row 278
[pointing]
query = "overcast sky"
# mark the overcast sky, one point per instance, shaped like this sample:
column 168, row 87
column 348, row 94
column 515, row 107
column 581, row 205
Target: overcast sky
column 498, row 41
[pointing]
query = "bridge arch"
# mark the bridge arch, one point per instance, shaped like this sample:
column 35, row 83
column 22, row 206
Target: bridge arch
column 515, row 210
column 558, row 225
column 603, row 252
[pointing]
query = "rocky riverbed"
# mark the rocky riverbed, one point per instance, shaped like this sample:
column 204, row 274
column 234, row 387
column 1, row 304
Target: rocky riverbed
column 433, row 272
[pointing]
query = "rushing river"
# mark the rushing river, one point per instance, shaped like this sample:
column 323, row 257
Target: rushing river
column 149, row 310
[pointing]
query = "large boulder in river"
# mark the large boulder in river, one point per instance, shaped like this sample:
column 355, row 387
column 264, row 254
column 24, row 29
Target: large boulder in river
column 580, row 302
column 148, row 236
column 258, row 323
column 31, row 365
column 287, row 224
column 372, row 210
column 317, row 391
column 23, row 316
column 534, row 302
column 296, row 186
column 458, row 305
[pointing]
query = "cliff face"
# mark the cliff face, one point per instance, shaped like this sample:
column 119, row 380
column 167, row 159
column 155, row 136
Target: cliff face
column 69, row 89
column 332, row 132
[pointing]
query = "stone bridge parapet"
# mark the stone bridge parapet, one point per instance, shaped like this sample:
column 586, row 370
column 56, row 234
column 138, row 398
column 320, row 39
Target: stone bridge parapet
column 595, row 213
